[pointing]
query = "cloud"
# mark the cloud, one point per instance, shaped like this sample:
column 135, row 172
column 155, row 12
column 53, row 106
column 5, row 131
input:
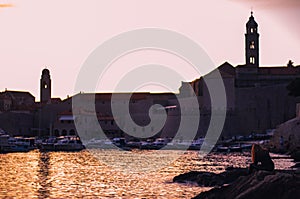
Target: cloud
column 270, row 4
column 5, row 5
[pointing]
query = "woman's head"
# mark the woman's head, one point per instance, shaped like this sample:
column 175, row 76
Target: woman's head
column 256, row 149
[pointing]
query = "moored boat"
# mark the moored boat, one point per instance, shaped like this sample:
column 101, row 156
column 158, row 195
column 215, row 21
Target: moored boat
column 159, row 143
column 14, row 148
column 15, row 144
column 196, row 144
column 222, row 149
column 65, row 143
column 235, row 148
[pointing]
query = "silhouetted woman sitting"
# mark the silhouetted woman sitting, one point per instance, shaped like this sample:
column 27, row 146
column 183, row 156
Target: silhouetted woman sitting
column 261, row 159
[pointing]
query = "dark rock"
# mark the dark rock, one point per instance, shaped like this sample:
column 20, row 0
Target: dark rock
column 296, row 166
column 191, row 176
column 259, row 185
column 231, row 174
column 209, row 179
column 296, row 155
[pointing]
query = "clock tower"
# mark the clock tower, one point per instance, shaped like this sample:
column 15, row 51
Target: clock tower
column 45, row 84
column 252, row 42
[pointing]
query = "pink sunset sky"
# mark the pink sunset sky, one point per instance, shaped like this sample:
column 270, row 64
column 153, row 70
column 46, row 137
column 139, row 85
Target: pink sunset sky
column 60, row 35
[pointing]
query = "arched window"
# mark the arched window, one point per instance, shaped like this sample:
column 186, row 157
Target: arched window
column 45, row 85
column 252, row 45
column 72, row 132
column 56, row 132
column 252, row 60
column 64, row 132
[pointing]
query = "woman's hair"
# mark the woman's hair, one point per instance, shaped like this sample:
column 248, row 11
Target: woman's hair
column 256, row 149
column 262, row 156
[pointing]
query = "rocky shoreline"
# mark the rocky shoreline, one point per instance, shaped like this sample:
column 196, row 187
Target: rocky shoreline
column 237, row 183
column 210, row 179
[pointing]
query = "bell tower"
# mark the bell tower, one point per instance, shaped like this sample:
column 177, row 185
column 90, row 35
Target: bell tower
column 45, row 86
column 252, row 42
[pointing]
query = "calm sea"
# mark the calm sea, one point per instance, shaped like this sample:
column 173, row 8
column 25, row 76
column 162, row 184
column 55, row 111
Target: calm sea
column 108, row 173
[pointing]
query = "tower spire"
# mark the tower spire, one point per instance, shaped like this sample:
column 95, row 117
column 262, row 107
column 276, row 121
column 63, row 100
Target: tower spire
column 252, row 42
column 45, row 86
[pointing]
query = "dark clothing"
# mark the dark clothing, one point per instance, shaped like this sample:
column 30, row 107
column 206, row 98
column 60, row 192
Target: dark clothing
column 261, row 160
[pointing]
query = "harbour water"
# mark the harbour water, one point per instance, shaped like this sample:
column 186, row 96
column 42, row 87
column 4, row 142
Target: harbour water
column 85, row 175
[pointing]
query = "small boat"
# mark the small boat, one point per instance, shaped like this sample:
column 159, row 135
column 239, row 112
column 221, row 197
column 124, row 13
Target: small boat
column 66, row 143
column 14, row 148
column 246, row 147
column 48, row 144
column 159, row 143
column 119, row 142
column 222, row 149
column 180, row 144
column 196, row 144
column 15, row 144
column 96, row 143
column 235, row 148
column 69, row 144
column 3, row 141
column 134, row 144
column 23, row 142
column 146, row 144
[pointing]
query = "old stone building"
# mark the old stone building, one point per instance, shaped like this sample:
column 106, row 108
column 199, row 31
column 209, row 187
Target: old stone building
column 257, row 100
column 45, row 86
column 16, row 100
column 16, row 112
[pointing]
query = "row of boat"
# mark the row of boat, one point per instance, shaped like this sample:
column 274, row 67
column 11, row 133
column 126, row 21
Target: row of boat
column 164, row 143
column 15, row 144
column 63, row 143
column 20, row 144
column 73, row 143
column 234, row 148
column 148, row 144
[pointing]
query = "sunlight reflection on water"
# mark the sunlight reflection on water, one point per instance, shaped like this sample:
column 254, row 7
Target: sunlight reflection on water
column 65, row 175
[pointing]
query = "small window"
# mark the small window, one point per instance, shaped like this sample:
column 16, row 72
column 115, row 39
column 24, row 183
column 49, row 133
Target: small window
column 72, row 132
column 56, row 132
column 251, row 30
column 64, row 132
column 252, row 45
column 252, row 60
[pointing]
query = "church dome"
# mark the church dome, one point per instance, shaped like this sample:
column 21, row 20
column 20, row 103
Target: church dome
column 251, row 23
column 46, row 72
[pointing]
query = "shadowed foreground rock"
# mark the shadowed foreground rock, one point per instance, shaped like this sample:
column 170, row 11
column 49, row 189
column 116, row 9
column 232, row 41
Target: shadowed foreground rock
column 296, row 155
column 209, row 179
column 259, row 185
